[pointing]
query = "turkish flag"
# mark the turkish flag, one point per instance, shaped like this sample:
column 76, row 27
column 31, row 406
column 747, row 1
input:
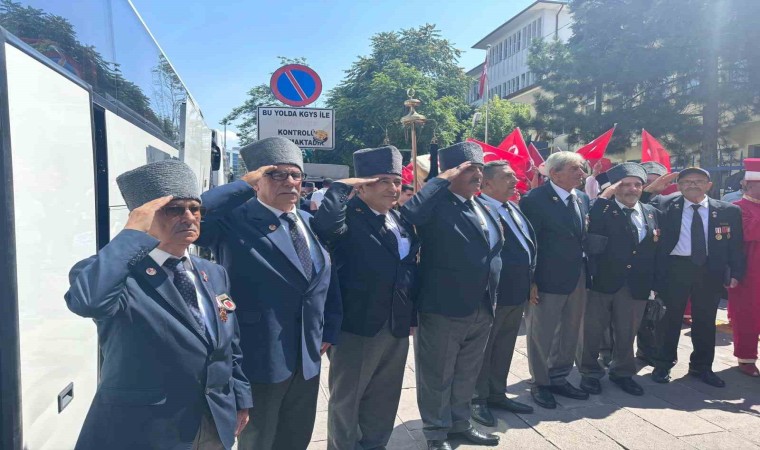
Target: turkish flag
column 518, row 163
column 407, row 174
column 483, row 77
column 651, row 150
column 535, row 156
column 596, row 148
column 515, row 144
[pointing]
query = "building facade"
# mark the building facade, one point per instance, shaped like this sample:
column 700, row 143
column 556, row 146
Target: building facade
column 509, row 75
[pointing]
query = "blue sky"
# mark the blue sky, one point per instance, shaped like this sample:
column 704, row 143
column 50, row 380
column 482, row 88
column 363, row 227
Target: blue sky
column 221, row 49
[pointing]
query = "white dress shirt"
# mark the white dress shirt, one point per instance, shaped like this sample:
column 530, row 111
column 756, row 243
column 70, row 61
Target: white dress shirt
column 515, row 227
column 493, row 236
column 314, row 249
column 402, row 239
column 204, row 303
column 637, row 217
column 683, row 247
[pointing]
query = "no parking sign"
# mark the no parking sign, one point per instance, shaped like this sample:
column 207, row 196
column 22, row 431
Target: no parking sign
column 296, row 85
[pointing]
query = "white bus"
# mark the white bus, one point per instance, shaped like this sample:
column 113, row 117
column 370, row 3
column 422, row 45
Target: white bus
column 73, row 115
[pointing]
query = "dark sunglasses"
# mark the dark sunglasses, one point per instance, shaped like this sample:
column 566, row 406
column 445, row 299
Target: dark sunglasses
column 281, row 175
column 178, row 211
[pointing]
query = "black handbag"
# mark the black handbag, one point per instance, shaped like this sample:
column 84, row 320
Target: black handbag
column 655, row 310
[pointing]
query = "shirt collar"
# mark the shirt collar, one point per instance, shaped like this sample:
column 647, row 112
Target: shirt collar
column 705, row 202
column 636, row 207
column 160, row 257
column 278, row 212
column 561, row 192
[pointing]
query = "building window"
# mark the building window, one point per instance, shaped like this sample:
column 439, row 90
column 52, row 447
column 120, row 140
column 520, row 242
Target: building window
column 539, row 26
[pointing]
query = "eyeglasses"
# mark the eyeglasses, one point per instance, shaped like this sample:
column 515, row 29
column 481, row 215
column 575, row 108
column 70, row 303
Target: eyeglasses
column 281, row 175
column 179, row 211
column 693, row 182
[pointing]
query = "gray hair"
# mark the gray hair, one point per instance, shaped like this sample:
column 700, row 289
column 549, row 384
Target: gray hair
column 558, row 161
column 489, row 170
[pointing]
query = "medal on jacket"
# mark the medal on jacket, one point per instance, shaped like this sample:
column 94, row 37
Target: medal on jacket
column 718, row 233
column 224, row 303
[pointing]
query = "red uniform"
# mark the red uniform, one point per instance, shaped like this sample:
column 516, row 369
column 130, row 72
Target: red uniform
column 744, row 300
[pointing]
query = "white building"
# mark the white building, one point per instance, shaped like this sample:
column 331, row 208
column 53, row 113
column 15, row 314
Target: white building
column 508, row 73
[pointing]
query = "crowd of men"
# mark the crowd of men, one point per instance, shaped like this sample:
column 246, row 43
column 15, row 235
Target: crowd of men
column 197, row 354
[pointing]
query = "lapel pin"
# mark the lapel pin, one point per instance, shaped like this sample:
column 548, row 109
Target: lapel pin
column 715, row 214
column 224, row 301
column 651, row 216
column 205, row 277
column 358, row 210
column 555, row 199
column 222, row 314
column 272, row 227
column 150, row 271
column 677, row 206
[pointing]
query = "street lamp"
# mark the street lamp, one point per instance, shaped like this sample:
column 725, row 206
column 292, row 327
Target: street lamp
column 411, row 120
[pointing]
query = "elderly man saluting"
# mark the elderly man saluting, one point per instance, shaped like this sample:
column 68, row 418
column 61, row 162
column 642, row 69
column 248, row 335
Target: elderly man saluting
column 171, row 375
column 289, row 304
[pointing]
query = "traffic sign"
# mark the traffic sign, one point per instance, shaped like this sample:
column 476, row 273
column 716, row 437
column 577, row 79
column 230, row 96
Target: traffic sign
column 307, row 127
column 296, row 85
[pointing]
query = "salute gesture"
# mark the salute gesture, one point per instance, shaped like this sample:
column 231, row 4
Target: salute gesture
column 455, row 172
column 141, row 218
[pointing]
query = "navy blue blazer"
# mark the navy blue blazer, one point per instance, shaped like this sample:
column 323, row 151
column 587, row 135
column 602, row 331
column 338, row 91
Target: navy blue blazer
column 560, row 245
column 457, row 264
column 517, row 265
column 160, row 372
column 377, row 287
column 283, row 316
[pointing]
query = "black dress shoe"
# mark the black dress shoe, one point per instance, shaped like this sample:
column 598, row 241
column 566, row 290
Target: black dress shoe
column 661, row 376
column 543, row 397
column 570, row 391
column 438, row 445
column 628, row 385
column 510, row 405
column 641, row 356
column 477, row 437
column 591, row 385
column 481, row 414
column 708, row 377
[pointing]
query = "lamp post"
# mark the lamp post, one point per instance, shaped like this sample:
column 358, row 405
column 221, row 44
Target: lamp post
column 411, row 120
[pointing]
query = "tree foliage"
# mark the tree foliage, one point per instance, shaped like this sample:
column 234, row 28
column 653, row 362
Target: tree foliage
column 503, row 117
column 663, row 65
column 369, row 102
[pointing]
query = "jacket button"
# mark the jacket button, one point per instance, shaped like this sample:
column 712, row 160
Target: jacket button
column 634, row 252
column 628, row 266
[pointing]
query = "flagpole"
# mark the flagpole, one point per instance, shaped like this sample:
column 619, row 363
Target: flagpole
column 486, row 97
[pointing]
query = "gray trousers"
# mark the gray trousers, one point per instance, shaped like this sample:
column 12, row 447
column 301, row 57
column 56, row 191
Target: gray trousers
column 366, row 374
column 553, row 327
column 207, row 437
column 449, row 352
column 492, row 380
column 624, row 314
column 282, row 417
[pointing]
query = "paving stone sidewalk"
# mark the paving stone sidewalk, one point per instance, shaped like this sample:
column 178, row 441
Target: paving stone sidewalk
column 685, row 414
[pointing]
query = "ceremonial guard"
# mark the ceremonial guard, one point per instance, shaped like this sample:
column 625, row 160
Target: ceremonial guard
column 744, row 299
column 287, row 295
column 557, row 211
column 375, row 251
column 701, row 250
column 518, row 259
column 623, row 235
column 459, row 277
column 171, row 375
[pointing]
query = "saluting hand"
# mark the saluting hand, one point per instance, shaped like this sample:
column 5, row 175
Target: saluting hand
column 455, row 171
column 357, row 182
column 610, row 191
column 141, row 218
column 661, row 183
column 255, row 176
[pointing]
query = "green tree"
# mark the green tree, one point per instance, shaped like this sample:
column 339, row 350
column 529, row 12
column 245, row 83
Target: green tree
column 261, row 95
column 503, row 117
column 369, row 101
column 686, row 70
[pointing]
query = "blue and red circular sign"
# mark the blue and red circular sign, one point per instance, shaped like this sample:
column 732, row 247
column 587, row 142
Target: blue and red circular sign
column 296, row 85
